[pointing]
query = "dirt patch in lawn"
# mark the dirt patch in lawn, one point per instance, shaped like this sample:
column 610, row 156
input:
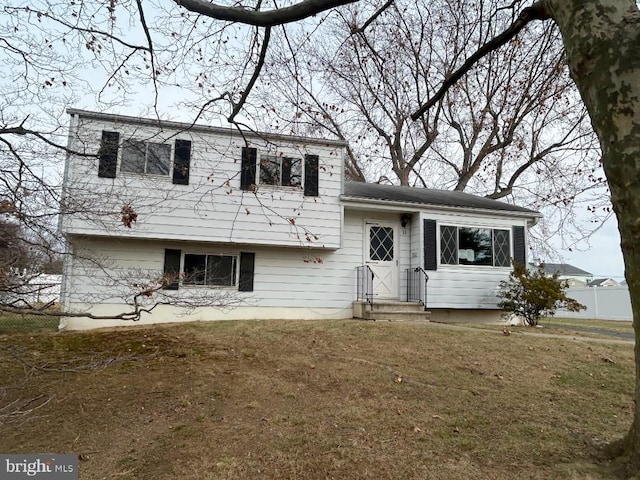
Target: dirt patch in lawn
column 312, row 400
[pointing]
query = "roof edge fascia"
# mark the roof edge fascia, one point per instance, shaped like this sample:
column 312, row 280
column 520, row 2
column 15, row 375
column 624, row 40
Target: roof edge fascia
column 368, row 202
column 195, row 127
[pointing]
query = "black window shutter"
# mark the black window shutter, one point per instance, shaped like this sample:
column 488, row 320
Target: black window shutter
column 172, row 267
column 247, row 262
column 430, row 245
column 519, row 246
column 248, row 168
column 181, row 162
column 286, row 172
column 108, row 154
column 311, row 167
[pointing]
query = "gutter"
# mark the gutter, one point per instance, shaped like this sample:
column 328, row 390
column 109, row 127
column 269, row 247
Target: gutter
column 368, row 202
column 192, row 127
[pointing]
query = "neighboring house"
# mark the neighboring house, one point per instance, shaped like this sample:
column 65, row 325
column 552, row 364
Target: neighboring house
column 574, row 276
column 603, row 282
column 266, row 226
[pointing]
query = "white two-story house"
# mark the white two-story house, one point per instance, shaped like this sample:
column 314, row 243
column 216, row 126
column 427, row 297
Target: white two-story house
column 178, row 222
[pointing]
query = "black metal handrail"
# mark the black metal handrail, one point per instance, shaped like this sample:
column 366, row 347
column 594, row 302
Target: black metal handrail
column 365, row 277
column 417, row 280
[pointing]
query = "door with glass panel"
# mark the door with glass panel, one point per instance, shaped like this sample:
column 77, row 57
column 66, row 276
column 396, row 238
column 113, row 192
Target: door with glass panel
column 381, row 254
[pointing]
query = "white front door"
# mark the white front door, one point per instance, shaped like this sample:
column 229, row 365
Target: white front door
column 381, row 254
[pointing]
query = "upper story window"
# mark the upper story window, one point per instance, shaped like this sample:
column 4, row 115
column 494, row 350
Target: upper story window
column 145, row 157
column 265, row 169
column 280, row 171
column 475, row 246
column 137, row 156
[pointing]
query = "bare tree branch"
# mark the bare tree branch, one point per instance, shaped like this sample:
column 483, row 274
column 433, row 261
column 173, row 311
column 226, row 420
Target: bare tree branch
column 266, row 18
column 22, row 131
column 154, row 72
column 256, row 74
column 355, row 29
column 92, row 31
column 535, row 12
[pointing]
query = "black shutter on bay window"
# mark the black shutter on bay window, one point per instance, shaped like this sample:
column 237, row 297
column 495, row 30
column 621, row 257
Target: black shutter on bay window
column 430, row 245
column 108, row 154
column 181, row 162
column 248, row 168
column 172, row 268
column 311, row 171
column 519, row 246
column 247, row 263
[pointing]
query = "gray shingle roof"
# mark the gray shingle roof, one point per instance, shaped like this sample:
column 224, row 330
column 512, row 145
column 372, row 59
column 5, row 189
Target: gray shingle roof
column 427, row 196
column 564, row 269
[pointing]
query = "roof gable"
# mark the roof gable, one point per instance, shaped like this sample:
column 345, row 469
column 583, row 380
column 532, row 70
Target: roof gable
column 564, row 269
column 596, row 282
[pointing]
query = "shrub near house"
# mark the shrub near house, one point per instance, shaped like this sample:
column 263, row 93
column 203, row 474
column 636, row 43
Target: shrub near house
column 531, row 294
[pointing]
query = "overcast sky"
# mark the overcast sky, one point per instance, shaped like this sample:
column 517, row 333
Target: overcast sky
column 604, row 258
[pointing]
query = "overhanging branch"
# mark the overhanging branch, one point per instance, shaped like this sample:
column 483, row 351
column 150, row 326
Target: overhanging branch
column 355, row 29
column 256, row 73
column 22, row 131
column 536, row 12
column 266, row 18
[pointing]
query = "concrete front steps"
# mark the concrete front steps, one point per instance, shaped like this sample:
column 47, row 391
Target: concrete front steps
column 392, row 311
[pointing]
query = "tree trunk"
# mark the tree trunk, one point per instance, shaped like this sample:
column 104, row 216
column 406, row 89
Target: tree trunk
column 601, row 39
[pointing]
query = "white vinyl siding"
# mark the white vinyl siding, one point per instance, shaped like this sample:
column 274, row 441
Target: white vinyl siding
column 304, row 249
column 212, row 207
column 283, row 277
column 288, row 282
column 295, row 277
column 467, row 286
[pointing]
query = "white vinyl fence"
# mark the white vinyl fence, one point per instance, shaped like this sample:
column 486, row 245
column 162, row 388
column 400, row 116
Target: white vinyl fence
column 605, row 303
column 37, row 290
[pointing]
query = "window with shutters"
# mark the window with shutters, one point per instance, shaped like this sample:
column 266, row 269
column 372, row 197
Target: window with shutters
column 148, row 158
column 263, row 168
column 475, row 246
column 210, row 270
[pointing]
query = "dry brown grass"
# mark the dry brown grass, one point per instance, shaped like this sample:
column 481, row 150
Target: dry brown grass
column 315, row 400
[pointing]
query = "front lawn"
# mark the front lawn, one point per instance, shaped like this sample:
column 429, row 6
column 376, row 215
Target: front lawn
column 315, row 400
